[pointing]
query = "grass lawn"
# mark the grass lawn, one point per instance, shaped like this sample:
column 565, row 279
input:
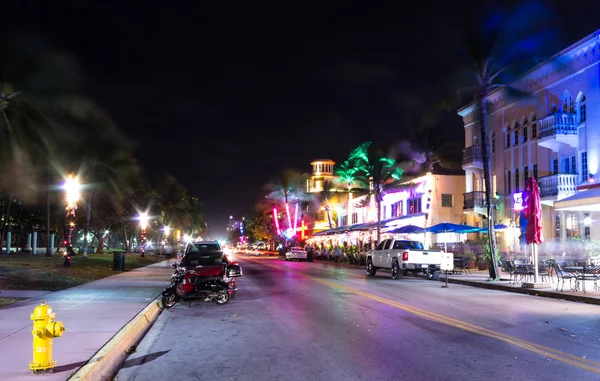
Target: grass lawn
column 38, row 272
column 7, row 301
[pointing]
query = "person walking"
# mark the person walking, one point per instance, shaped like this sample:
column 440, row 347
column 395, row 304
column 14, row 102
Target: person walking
column 337, row 253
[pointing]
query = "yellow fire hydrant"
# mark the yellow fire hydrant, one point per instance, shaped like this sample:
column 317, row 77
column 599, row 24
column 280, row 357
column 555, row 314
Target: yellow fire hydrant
column 44, row 330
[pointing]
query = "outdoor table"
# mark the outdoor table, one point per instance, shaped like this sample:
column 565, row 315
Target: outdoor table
column 579, row 272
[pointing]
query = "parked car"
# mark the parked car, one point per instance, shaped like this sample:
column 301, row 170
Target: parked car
column 297, row 253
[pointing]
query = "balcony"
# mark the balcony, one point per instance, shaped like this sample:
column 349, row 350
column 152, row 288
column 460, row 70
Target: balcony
column 556, row 187
column 474, row 203
column 556, row 129
column 472, row 158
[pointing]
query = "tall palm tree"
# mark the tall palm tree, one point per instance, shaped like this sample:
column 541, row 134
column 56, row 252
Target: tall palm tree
column 375, row 170
column 346, row 173
column 507, row 44
column 287, row 187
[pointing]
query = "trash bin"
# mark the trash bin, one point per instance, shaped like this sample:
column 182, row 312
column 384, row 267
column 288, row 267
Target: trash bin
column 119, row 261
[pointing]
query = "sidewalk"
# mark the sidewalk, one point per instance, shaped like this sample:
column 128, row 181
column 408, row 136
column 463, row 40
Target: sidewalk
column 480, row 279
column 91, row 313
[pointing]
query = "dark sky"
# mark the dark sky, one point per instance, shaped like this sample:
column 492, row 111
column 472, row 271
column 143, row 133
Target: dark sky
column 224, row 96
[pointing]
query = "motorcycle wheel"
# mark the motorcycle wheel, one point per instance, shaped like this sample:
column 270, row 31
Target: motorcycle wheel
column 222, row 298
column 169, row 301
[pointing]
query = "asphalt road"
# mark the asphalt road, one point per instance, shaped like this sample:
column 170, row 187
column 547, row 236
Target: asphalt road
column 310, row 321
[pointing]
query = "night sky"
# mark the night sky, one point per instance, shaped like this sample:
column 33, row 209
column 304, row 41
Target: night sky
column 225, row 96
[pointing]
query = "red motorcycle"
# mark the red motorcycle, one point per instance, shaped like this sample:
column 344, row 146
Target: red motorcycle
column 207, row 276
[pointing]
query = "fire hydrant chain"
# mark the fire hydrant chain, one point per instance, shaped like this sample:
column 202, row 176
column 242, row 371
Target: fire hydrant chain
column 44, row 330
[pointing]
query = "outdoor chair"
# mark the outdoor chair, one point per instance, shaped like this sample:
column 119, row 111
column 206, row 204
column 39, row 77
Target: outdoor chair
column 563, row 275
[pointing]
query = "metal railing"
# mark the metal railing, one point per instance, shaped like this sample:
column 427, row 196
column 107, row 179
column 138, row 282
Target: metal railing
column 474, row 200
column 472, row 154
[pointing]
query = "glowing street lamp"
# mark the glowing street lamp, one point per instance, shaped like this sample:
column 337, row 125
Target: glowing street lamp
column 143, row 218
column 72, row 189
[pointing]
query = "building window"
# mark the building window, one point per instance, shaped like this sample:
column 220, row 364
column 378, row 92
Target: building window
column 573, row 164
column 354, row 218
column 557, row 226
column 517, row 185
column 533, row 127
column 525, row 173
column 525, row 131
column 397, row 209
column 516, row 137
column 508, row 139
column 568, row 105
column 567, row 165
column 494, row 189
column 535, row 173
column 414, row 205
column 446, row 200
column 508, row 187
column 586, row 227
column 572, row 225
column 344, row 220
column 555, row 166
column 582, row 111
column 493, row 142
column 584, row 168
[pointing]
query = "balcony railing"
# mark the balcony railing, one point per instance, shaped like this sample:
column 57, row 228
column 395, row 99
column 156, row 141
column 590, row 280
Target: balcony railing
column 559, row 185
column 472, row 155
column 474, row 200
column 559, row 123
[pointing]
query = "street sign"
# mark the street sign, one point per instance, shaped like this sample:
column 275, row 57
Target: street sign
column 447, row 263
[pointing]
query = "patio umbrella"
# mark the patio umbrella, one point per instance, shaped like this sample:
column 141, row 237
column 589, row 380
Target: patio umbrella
column 533, row 214
column 446, row 227
column 408, row 229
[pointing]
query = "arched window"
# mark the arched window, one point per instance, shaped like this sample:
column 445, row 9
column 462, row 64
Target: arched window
column 553, row 109
column 507, row 136
column 525, row 129
column 581, row 108
column 515, row 129
column 533, row 126
column 567, row 102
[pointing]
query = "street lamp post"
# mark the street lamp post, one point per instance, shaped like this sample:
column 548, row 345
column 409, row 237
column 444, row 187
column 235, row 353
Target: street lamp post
column 72, row 194
column 143, row 225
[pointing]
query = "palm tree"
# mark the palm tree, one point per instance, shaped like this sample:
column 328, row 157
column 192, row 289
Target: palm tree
column 436, row 148
column 376, row 171
column 508, row 43
column 288, row 186
column 173, row 203
column 346, row 173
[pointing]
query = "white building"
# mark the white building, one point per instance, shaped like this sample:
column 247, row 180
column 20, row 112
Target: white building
column 555, row 139
column 423, row 202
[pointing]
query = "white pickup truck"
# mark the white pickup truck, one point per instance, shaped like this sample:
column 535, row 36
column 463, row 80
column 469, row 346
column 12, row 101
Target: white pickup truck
column 401, row 256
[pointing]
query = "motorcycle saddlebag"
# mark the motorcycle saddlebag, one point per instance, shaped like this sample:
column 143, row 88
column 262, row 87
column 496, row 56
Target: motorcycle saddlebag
column 234, row 271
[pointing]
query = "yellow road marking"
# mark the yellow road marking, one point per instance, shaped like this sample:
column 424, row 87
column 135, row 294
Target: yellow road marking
column 567, row 358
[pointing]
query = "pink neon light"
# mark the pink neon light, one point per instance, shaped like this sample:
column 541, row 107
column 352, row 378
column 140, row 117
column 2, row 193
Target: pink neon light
column 296, row 217
column 276, row 221
column 289, row 218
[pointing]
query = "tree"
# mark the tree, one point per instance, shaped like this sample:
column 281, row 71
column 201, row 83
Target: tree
column 287, row 187
column 376, row 171
column 261, row 228
column 347, row 173
column 507, row 44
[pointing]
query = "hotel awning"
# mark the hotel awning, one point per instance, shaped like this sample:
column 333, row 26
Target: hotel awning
column 584, row 200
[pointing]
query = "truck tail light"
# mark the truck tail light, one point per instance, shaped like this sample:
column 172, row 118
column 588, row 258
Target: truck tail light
column 405, row 256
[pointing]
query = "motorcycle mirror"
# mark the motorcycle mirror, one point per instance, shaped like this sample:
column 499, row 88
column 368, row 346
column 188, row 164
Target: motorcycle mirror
column 173, row 265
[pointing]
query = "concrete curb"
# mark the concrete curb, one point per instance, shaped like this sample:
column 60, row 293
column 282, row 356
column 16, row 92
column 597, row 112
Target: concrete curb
column 105, row 363
column 526, row 291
